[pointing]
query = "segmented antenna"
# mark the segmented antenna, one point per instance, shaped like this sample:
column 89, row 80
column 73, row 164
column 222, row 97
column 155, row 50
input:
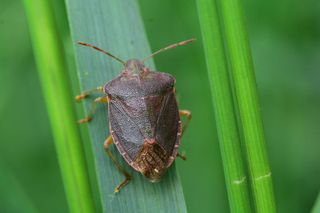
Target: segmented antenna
column 105, row 52
column 168, row 47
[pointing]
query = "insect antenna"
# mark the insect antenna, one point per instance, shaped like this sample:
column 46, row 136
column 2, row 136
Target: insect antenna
column 105, row 52
column 168, row 47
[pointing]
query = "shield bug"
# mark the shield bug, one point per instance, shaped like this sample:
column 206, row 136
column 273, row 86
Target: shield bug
column 144, row 119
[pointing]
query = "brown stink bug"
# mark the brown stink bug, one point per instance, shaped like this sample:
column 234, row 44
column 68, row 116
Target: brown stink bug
column 144, row 119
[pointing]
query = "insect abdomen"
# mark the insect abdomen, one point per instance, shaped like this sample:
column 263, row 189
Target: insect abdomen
column 152, row 160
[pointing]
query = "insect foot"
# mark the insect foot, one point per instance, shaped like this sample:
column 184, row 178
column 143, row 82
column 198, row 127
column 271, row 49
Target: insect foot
column 82, row 96
column 84, row 120
column 123, row 184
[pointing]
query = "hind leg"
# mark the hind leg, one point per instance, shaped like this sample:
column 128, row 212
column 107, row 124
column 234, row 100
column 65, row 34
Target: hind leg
column 128, row 177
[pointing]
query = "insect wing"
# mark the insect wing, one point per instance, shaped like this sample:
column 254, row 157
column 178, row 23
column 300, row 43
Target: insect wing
column 168, row 125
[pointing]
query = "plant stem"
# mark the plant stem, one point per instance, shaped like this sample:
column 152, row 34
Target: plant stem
column 248, row 105
column 236, row 179
column 56, row 88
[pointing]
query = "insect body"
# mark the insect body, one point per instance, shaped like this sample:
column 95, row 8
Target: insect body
column 144, row 119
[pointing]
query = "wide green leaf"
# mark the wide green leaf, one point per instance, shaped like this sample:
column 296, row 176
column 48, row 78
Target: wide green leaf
column 116, row 26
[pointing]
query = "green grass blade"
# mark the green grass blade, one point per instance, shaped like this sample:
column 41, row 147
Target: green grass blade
column 248, row 105
column 13, row 193
column 235, row 176
column 56, row 88
column 316, row 207
column 116, row 26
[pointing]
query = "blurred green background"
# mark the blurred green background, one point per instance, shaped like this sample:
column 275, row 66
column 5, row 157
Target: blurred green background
column 285, row 41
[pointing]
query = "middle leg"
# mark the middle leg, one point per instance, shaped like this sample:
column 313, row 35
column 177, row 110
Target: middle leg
column 93, row 109
column 186, row 113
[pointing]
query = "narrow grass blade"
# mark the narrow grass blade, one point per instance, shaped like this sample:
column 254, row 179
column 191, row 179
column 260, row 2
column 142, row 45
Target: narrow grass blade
column 316, row 207
column 56, row 88
column 13, row 193
column 233, row 164
column 116, row 26
column 248, row 105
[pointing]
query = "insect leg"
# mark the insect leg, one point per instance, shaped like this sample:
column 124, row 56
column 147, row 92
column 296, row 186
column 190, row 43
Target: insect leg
column 103, row 99
column 85, row 94
column 128, row 177
column 183, row 113
column 183, row 157
column 186, row 113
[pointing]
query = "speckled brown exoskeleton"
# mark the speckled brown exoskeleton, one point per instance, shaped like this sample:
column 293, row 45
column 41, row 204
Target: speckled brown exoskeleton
column 144, row 118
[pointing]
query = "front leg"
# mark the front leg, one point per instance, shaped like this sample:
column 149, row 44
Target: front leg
column 86, row 94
